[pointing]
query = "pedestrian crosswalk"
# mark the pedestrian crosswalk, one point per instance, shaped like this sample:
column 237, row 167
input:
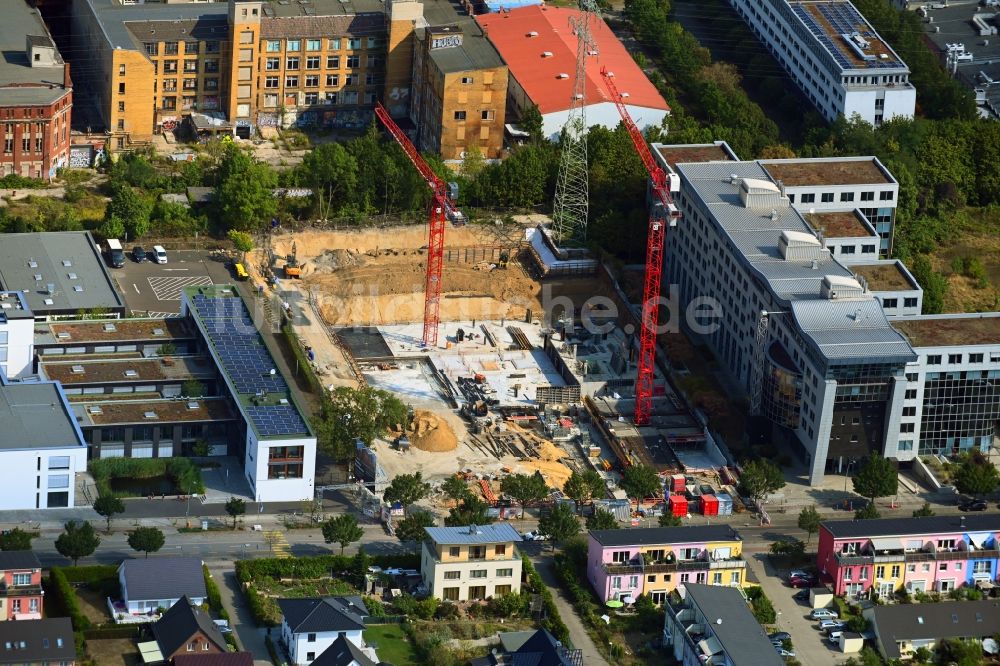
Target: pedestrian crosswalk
column 278, row 543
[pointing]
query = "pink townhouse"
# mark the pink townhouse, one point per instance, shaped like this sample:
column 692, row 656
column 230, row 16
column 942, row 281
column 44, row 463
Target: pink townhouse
column 884, row 556
column 21, row 581
column 626, row 563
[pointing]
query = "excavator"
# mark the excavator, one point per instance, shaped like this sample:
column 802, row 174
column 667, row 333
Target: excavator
column 292, row 268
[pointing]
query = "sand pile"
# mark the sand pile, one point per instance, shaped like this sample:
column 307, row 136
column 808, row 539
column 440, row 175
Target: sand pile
column 429, row 432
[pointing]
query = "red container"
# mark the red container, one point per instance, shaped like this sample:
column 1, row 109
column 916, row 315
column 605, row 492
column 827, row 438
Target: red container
column 677, row 483
column 679, row 505
column 710, row 505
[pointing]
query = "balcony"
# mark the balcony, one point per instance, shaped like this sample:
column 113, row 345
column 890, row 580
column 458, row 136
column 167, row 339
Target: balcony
column 853, row 559
column 623, row 569
column 22, row 590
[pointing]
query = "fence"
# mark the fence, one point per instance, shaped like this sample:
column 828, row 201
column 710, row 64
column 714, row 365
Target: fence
column 386, row 619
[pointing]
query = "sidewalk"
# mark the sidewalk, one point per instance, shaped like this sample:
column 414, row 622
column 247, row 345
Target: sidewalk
column 248, row 636
column 578, row 636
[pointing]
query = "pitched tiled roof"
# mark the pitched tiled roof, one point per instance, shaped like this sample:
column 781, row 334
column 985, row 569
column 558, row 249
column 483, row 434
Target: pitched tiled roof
column 18, row 559
column 220, row 659
column 182, row 622
column 164, row 578
column 986, row 522
column 327, row 614
column 343, row 652
column 298, row 27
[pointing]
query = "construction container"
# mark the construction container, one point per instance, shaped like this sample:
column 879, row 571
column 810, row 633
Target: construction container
column 678, row 505
column 725, row 503
column 620, row 509
column 709, row 505
column 677, row 483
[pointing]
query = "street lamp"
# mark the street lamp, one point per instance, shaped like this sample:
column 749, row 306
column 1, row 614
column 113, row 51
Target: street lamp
column 847, row 473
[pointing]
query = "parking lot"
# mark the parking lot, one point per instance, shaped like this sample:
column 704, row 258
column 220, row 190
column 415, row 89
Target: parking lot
column 154, row 289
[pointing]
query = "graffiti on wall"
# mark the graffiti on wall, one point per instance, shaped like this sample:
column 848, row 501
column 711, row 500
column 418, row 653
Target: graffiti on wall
column 81, row 157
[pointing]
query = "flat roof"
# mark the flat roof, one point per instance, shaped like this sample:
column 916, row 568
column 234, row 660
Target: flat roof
column 885, row 276
column 13, row 305
column 21, row 83
column 839, row 224
column 883, row 527
column 952, row 25
column 36, row 416
column 475, row 51
column 473, row 534
column 846, row 35
column 89, row 370
column 166, row 410
column 525, row 35
column 828, row 171
column 258, row 385
column 114, row 330
column 703, row 152
column 69, row 261
column 733, row 625
column 960, row 330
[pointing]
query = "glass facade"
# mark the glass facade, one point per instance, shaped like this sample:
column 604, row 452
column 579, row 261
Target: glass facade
column 960, row 410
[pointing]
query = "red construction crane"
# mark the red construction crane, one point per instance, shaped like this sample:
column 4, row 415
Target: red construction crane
column 440, row 210
column 654, row 257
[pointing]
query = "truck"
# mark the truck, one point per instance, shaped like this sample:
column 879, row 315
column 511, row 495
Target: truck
column 115, row 253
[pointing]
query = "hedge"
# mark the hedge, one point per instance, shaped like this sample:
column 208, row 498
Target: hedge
column 315, row 567
column 61, row 601
column 273, row 652
column 553, row 622
column 304, row 366
column 90, row 574
column 183, row 471
column 113, row 631
column 213, row 596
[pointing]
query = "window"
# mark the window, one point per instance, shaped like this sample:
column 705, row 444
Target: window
column 310, row 638
column 885, row 196
column 505, row 573
column 954, row 358
column 354, row 44
column 909, row 411
column 934, row 359
column 190, row 647
column 501, row 590
column 488, row 114
column 59, row 462
column 310, row 656
column 450, row 593
column 808, row 197
column 889, row 302
column 454, row 551
column 212, row 47
column 333, row 62
column 477, row 573
column 460, row 115
column 292, row 62
column 973, row 358
column 452, row 575
column 271, row 82
column 314, row 45
column 272, row 63
column 310, row 98
column 169, row 103
column 350, row 79
column 651, row 578
column 169, row 66
column 868, row 196
column 895, row 571
column 717, row 578
column 169, row 85
column 880, row 572
column 272, row 45
column 620, row 556
column 211, row 66
column 121, row 88
column 467, row 80
column 170, row 48
column 22, row 579
column 373, row 61
column 332, row 80
column 152, row 48
column 864, row 573
column 477, row 592
column 121, row 70
column 291, row 82
column 331, row 98
column 867, row 249
column 734, row 578
column 190, row 66
column 847, row 249
column 353, row 61
column 616, row 583
column 906, row 427
column 500, row 549
column 847, row 196
column 335, row 44
column 826, row 197
column 293, row 45
column 477, row 553
column 192, row 84
column 370, row 78
column 312, row 62
column 312, row 81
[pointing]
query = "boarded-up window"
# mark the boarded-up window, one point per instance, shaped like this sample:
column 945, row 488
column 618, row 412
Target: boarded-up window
column 246, row 37
column 246, row 55
column 245, row 73
column 243, row 91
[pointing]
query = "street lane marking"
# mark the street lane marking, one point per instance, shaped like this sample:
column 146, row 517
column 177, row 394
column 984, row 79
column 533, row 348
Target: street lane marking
column 135, row 287
column 168, row 288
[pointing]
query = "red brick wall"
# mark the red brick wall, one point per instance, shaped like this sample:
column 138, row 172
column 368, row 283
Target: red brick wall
column 49, row 123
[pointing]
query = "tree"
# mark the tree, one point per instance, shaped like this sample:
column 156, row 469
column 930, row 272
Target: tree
column 760, row 477
column 867, row 512
column 332, row 172
column 472, row 511
column 412, row 527
column 407, row 489
column 472, row 163
column 16, row 539
column 146, row 540
column 584, row 486
column 109, row 506
column 357, row 413
column 602, row 520
column 793, row 547
column 201, row 448
column 192, row 388
column 342, row 529
column 78, row 540
column 241, row 240
column 960, row 652
column 244, row 196
column 924, row 512
column 112, row 227
column 668, row 519
column 132, row 209
column 532, row 122
column 640, row 482
column 876, row 478
column 456, row 489
column 525, row 489
column 976, row 475
column 559, row 524
column 236, row 507
column 809, row 520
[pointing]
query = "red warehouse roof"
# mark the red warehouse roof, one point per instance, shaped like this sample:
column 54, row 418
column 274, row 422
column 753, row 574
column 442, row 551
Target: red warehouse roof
column 538, row 45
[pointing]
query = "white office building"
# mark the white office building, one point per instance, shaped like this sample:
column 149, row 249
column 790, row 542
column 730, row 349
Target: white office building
column 834, row 55
column 846, row 365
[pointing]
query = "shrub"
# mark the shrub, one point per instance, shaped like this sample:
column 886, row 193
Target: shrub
column 214, row 597
column 447, row 611
column 426, row 608
column 552, row 622
column 183, row 471
column 763, row 610
column 508, row 605
column 62, row 601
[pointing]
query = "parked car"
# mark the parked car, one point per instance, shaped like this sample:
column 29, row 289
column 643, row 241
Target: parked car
column 785, row 653
column 823, row 614
column 973, row 505
column 800, row 573
column 534, row 536
column 780, row 636
column 159, row 254
column 826, row 625
column 138, row 254
column 802, row 582
column 834, row 636
column 801, row 595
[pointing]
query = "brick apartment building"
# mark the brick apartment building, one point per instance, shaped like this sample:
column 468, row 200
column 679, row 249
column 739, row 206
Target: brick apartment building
column 36, row 96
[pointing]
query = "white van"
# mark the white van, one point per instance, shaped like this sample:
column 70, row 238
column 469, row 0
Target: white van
column 159, row 254
column 116, row 255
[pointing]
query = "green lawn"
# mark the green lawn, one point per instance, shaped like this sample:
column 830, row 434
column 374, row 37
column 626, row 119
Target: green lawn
column 391, row 643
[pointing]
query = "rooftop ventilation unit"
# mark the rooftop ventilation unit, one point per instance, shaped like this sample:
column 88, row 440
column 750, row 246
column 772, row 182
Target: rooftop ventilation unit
column 38, row 277
column 63, row 335
column 50, row 287
column 533, row 33
column 32, row 263
column 110, row 328
column 71, row 276
column 149, row 415
column 95, row 409
column 193, row 404
column 77, row 288
column 546, row 54
column 562, row 75
column 157, row 331
column 77, row 369
column 49, row 301
column 131, row 373
column 67, row 263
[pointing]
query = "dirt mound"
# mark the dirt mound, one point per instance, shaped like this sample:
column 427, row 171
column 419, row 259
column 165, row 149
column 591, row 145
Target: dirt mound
column 429, row 432
column 312, row 244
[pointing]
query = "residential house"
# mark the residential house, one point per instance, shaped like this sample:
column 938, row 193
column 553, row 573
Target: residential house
column 310, row 626
column 21, row 580
column 900, row 630
column 215, row 659
column 935, row 554
column 186, row 629
column 473, row 562
column 343, row 652
column 713, row 625
column 37, row 642
column 148, row 585
column 625, row 563
column 537, row 648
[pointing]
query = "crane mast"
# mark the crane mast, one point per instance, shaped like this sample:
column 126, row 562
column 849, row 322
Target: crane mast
column 439, row 209
column 654, row 256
